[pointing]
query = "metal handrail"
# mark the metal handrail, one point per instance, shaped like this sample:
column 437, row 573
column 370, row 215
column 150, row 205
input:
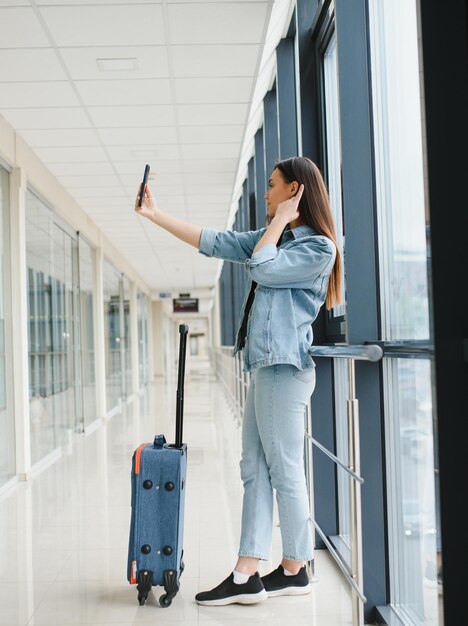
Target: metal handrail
column 335, row 458
column 340, row 562
column 364, row 352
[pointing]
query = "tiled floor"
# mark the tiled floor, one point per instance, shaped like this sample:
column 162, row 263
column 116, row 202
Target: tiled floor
column 64, row 535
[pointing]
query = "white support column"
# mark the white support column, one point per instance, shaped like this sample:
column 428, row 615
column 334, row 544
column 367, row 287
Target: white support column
column 99, row 335
column 19, row 326
column 134, row 342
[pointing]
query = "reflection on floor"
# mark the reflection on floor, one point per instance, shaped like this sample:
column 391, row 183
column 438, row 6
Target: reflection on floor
column 64, row 535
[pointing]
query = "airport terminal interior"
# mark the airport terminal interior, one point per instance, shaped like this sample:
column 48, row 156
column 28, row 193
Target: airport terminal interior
column 212, row 94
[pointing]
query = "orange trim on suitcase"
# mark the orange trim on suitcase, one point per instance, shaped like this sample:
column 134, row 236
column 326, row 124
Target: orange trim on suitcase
column 133, row 573
column 138, row 457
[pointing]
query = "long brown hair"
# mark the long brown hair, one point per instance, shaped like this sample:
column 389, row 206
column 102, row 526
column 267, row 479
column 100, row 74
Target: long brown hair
column 314, row 209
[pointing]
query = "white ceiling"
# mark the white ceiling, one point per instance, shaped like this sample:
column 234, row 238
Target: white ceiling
column 189, row 108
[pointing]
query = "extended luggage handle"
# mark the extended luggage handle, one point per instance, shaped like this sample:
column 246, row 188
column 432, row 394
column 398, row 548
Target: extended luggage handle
column 183, row 330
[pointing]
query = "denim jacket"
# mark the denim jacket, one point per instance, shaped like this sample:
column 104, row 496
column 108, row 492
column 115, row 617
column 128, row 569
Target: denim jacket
column 292, row 281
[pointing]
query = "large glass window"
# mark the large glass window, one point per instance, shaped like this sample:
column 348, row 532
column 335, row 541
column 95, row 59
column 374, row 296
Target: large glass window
column 331, row 133
column 415, row 554
column 332, row 145
column 399, row 170
column 7, row 426
column 54, row 380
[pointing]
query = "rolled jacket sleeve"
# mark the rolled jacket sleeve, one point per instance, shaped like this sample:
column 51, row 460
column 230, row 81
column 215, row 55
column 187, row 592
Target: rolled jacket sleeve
column 229, row 245
column 296, row 267
column 207, row 241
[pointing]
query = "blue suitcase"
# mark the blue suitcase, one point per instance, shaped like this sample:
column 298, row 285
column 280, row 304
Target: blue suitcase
column 159, row 470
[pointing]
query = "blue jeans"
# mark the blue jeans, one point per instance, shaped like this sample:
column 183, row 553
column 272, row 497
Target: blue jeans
column 273, row 458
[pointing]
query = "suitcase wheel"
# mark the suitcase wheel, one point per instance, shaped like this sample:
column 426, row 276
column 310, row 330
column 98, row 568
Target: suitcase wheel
column 145, row 581
column 165, row 600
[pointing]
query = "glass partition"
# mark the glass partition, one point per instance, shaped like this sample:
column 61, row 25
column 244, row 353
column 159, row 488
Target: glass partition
column 415, row 557
column 54, row 379
column 341, row 395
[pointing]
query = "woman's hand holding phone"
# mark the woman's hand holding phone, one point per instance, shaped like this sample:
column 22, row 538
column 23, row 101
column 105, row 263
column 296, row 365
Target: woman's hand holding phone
column 148, row 206
column 145, row 204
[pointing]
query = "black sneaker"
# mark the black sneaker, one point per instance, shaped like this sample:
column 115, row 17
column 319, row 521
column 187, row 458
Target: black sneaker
column 228, row 592
column 276, row 583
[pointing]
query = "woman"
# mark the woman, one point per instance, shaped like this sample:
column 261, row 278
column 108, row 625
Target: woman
column 293, row 267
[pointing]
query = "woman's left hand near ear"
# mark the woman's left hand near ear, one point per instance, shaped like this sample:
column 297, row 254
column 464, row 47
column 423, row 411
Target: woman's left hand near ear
column 289, row 209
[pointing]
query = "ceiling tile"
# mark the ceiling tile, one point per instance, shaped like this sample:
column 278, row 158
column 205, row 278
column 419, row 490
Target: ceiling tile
column 101, row 25
column 209, row 165
column 71, row 117
column 213, row 188
column 148, row 136
column 105, row 204
column 30, row 35
column 166, row 199
column 203, row 178
column 124, row 92
column 209, row 198
column 41, row 94
column 78, row 154
column 219, row 23
column 66, row 169
column 210, row 150
column 157, row 167
column 211, row 134
column 60, row 137
column 128, row 116
column 72, row 182
column 35, row 64
column 194, row 114
column 114, row 193
column 129, row 153
column 219, row 90
column 157, row 179
column 214, row 60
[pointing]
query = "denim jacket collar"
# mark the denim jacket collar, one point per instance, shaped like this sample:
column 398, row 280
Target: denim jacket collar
column 301, row 231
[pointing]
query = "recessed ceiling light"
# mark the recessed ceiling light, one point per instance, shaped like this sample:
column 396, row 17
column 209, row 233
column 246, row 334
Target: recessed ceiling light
column 115, row 65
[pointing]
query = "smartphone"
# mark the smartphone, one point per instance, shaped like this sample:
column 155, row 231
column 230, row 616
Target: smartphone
column 143, row 184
